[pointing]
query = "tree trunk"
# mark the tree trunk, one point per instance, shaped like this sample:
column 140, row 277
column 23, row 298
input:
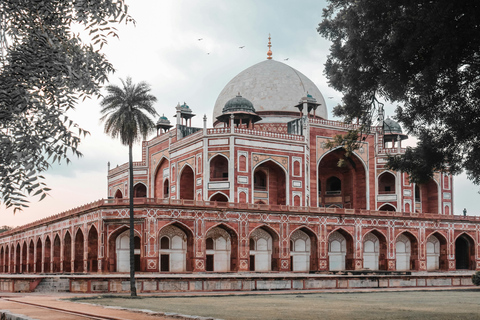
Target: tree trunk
column 133, row 289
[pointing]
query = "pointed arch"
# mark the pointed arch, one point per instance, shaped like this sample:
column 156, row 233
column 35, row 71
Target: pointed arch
column 224, row 251
column 161, row 178
column 2, row 259
column 119, row 250
column 264, row 249
column 406, row 251
column 140, row 190
column 436, row 251
column 189, row 241
column 352, row 176
column 78, row 251
column 464, row 252
column 219, row 164
column 270, row 181
column 387, row 207
column 48, row 255
column 17, row 258
column 67, row 252
column 340, row 250
column 219, row 197
column 56, row 253
column 118, row 194
column 187, row 183
column 386, row 182
column 31, row 256
column 306, row 261
column 92, row 256
column 24, row 257
column 375, row 250
column 38, row 262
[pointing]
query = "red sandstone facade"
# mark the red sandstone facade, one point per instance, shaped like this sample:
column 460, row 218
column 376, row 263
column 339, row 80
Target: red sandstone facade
column 256, row 197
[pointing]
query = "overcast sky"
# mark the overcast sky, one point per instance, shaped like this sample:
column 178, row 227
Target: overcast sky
column 163, row 49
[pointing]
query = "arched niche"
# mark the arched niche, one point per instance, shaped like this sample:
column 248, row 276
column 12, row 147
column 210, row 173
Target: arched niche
column 219, row 168
column 139, row 190
column 302, row 250
column 120, row 247
column 173, row 249
column 187, row 183
column 386, row 183
column 264, row 251
column 219, row 197
column 118, row 194
column 161, row 179
column 340, row 251
column 464, row 252
column 218, row 245
column 92, row 256
column 406, row 252
column 270, row 183
column 374, row 251
column 350, row 190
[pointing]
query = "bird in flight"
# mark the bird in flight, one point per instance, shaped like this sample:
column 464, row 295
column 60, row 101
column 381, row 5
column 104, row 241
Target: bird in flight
column 208, row 52
column 286, row 59
column 330, row 97
column 242, row 47
column 200, row 39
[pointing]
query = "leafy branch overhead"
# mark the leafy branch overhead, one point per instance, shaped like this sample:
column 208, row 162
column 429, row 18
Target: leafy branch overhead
column 46, row 69
column 421, row 55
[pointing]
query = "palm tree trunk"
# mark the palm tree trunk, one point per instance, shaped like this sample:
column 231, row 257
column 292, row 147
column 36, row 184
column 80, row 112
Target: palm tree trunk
column 133, row 289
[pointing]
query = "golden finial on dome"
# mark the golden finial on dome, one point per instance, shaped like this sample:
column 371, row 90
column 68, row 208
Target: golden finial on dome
column 269, row 53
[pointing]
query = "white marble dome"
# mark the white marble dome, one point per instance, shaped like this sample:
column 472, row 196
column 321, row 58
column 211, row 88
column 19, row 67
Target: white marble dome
column 274, row 88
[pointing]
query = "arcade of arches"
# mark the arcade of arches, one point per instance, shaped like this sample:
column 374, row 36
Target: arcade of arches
column 220, row 249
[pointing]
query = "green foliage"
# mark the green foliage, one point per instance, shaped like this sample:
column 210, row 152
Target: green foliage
column 476, row 278
column 45, row 69
column 123, row 111
column 5, row 228
column 423, row 55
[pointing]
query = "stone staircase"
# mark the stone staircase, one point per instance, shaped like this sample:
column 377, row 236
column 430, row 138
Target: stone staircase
column 54, row 284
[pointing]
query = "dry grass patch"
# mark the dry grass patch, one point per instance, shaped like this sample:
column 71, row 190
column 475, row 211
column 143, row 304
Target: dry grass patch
column 373, row 305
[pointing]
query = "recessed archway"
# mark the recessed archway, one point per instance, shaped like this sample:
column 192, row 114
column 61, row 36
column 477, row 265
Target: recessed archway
column 219, row 168
column 162, row 176
column 48, row 255
column 31, row 256
column 264, row 252
column 303, row 250
column 387, row 207
column 38, row 262
column 67, row 253
column 56, row 254
column 374, row 251
column 270, row 183
column 345, row 185
column 139, row 191
column 118, row 194
column 24, row 257
column 92, row 262
column 464, row 252
column 219, row 197
column 386, row 183
column 221, row 245
column 187, row 183
column 340, row 250
column 436, row 250
column 78, row 262
column 406, row 252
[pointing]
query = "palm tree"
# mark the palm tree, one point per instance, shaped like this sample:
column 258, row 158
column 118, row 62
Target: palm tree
column 123, row 112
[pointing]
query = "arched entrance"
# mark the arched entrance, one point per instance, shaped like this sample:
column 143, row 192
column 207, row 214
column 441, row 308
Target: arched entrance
column 48, row 255
column 406, row 252
column 386, row 183
column 24, row 257
column 56, row 254
column 263, row 250
column 187, row 183
column 161, row 179
column 78, row 263
column 269, row 182
column 340, row 251
column 31, row 256
column 464, row 252
column 92, row 262
column 118, row 195
column 67, row 253
column 345, row 186
column 300, row 251
column 139, row 191
column 219, row 168
column 17, row 258
column 38, row 262
column 221, row 249
column 121, row 249
column 2, row 260
column 433, row 253
column 374, row 251
column 173, row 249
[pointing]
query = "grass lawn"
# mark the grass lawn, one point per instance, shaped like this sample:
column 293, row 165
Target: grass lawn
column 373, row 305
